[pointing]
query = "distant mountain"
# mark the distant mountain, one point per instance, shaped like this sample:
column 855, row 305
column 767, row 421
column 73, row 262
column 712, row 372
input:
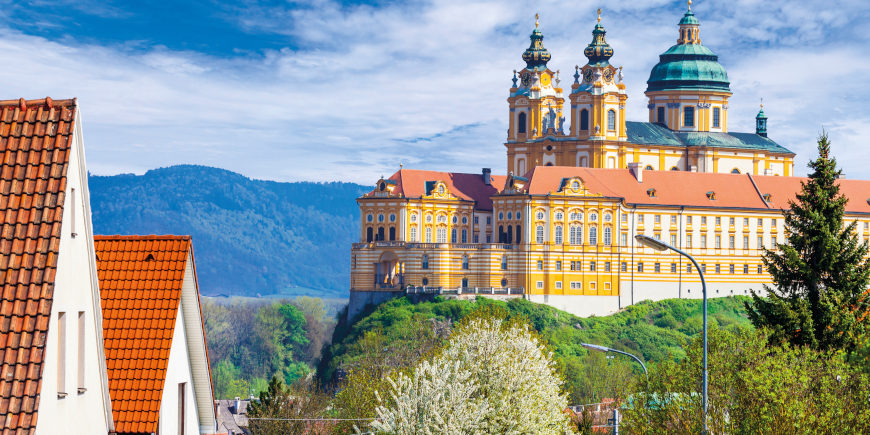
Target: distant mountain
column 250, row 237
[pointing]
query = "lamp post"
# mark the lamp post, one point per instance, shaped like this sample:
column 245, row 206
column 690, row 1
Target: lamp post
column 658, row 245
column 607, row 349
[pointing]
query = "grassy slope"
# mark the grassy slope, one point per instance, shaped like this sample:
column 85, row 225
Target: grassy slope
column 652, row 330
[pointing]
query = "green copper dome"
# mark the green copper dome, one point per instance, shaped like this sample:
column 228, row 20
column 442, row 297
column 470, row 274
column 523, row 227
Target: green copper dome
column 688, row 65
column 536, row 56
column 598, row 51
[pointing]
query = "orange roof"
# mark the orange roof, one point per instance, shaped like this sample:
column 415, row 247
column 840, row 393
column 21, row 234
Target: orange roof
column 140, row 289
column 412, row 184
column 680, row 188
column 35, row 141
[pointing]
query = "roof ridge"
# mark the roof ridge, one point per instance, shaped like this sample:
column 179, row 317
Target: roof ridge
column 38, row 101
column 141, row 237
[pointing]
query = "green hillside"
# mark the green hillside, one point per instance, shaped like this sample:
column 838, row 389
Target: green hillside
column 250, row 236
column 654, row 331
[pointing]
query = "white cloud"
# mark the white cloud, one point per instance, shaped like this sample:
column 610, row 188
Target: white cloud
column 426, row 83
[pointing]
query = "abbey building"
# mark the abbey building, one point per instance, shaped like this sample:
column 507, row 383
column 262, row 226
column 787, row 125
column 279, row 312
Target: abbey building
column 559, row 227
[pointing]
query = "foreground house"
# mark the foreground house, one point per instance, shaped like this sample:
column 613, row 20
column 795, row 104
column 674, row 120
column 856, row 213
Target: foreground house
column 156, row 354
column 52, row 366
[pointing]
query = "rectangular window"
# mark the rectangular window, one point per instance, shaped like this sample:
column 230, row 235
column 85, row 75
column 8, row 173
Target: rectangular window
column 689, row 268
column 592, row 266
column 540, row 265
column 488, row 220
column 539, row 284
column 559, row 284
column 731, row 269
column 745, row 222
column 760, row 221
column 657, row 267
column 704, row 241
column 746, row 269
column 745, row 242
column 688, row 240
column 718, row 220
column 718, row 268
column 731, row 242
column 81, row 353
column 477, row 238
column 640, row 218
column 657, row 236
column 703, row 267
column 731, row 221
column 673, row 219
column 61, row 354
column 703, row 220
column 640, row 267
column 688, row 116
column 182, row 398
column 660, row 115
column 658, row 219
column 593, row 286
column 673, row 267
column 718, row 242
column 624, row 217
column 476, row 220
column 558, row 265
column 688, row 220
column 624, row 267
column 759, row 269
column 673, row 240
column 760, row 242
column 607, row 266
column 773, row 243
column 464, row 236
column 623, row 239
column 573, row 265
column 716, row 117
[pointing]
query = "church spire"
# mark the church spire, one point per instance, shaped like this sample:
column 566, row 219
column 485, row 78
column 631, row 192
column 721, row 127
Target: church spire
column 761, row 121
column 598, row 51
column 536, row 56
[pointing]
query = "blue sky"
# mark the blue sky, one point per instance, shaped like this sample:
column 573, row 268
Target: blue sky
column 324, row 90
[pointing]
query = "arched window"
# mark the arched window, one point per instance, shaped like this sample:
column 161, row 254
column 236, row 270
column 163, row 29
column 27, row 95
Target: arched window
column 611, row 120
column 504, row 262
column 559, row 216
column 442, row 235
column 688, row 116
column 501, row 237
column 539, row 234
column 608, row 217
column 425, row 261
column 593, row 235
column 519, row 238
column 521, row 166
column 582, row 163
column 392, row 233
column 584, row 120
column 464, row 282
column 735, row 171
column 414, row 233
column 465, row 262
column 464, row 235
column 510, row 233
column 380, row 233
column 648, row 168
column 521, row 122
column 607, row 236
column 576, row 234
column 557, row 237
column 425, row 282
column 428, row 234
column 413, row 217
column 453, row 238
column 674, row 168
column 370, row 233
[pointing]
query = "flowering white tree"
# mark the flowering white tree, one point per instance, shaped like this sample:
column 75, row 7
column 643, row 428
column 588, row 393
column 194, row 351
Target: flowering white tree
column 492, row 377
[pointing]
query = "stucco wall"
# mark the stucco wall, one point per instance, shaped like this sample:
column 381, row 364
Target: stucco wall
column 178, row 371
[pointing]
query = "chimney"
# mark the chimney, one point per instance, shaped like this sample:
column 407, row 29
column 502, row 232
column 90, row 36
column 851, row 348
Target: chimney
column 237, row 404
column 487, row 178
column 637, row 170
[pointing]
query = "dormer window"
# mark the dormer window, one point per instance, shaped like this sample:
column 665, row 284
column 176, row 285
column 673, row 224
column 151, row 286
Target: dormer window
column 575, row 184
column 441, row 189
column 767, row 197
column 651, row 193
column 383, row 186
column 735, row 171
column 711, row 195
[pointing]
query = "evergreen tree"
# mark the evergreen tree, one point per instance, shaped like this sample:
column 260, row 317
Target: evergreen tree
column 821, row 274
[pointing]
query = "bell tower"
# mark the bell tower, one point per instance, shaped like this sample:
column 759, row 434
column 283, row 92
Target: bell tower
column 597, row 103
column 535, row 106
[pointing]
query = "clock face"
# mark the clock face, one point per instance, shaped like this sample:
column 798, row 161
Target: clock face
column 526, row 78
column 608, row 75
column 545, row 79
column 587, row 75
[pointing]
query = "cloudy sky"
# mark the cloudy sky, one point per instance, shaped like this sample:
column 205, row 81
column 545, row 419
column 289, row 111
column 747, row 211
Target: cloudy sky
column 324, row 90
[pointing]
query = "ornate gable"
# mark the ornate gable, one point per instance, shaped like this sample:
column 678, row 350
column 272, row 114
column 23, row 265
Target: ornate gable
column 573, row 186
column 438, row 190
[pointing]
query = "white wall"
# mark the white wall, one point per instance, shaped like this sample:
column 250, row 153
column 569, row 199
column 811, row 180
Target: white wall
column 178, row 371
column 76, row 289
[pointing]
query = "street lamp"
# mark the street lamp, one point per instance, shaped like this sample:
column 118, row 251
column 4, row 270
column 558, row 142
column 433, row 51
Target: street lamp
column 658, row 245
column 607, row 349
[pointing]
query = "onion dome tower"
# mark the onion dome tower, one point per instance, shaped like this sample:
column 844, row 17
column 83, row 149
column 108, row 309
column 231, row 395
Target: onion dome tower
column 688, row 89
column 761, row 122
column 535, row 102
column 598, row 96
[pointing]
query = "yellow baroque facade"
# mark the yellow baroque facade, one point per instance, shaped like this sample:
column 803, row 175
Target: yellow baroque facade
column 559, row 227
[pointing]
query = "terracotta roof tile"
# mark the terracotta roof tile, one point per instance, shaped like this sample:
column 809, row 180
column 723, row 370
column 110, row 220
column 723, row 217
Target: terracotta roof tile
column 412, row 184
column 35, row 141
column 138, row 304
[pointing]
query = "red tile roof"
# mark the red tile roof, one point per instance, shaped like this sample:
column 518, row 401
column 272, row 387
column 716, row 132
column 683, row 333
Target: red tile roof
column 35, row 141
column 412, row 184
column 140, row 289
column 690, row 189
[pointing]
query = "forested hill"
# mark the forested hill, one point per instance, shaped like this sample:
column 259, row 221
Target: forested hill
column 249, row 236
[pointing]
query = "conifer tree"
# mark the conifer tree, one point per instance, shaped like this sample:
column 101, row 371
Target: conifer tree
column 819, row 298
